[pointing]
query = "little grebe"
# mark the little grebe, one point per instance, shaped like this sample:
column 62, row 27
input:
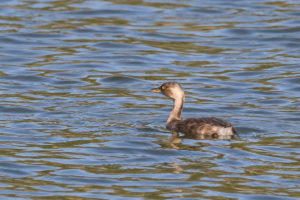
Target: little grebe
column 194, row 127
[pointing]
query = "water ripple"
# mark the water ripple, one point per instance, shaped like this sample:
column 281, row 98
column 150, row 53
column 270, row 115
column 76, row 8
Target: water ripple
column 78, row 120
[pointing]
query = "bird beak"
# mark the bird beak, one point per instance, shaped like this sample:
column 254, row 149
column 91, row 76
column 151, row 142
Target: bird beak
column 156, row 90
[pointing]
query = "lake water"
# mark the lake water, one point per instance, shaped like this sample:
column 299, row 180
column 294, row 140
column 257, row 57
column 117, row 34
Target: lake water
column 78, row 120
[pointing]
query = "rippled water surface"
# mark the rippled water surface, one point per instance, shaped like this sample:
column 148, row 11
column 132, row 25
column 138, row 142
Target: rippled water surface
column 78, row 120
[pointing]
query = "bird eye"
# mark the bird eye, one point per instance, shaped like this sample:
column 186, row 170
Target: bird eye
column 163, row 87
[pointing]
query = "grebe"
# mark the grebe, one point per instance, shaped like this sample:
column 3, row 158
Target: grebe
column 198, row 128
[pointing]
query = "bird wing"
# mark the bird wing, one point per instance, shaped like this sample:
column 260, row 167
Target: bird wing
column 193, row 125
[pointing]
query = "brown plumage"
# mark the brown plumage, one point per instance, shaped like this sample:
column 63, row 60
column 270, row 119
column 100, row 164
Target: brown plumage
column 206, row 127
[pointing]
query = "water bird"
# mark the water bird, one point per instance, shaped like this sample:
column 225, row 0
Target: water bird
column 197, row 128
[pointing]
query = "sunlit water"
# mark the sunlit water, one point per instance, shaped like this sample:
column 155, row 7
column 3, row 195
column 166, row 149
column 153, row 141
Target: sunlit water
column 78, row 120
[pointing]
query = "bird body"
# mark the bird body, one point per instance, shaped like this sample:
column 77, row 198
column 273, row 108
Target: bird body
column 206, row 126
column 193, row 127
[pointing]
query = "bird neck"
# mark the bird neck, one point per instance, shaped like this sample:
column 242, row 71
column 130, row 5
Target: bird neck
column 176, row 111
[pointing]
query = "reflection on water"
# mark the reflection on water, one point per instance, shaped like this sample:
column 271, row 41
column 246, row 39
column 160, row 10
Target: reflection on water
column 78, row 121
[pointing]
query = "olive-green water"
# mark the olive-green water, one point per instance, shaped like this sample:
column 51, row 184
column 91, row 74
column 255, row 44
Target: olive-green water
column 78, row 121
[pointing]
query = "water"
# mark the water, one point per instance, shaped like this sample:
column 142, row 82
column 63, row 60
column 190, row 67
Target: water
column 78, row 121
